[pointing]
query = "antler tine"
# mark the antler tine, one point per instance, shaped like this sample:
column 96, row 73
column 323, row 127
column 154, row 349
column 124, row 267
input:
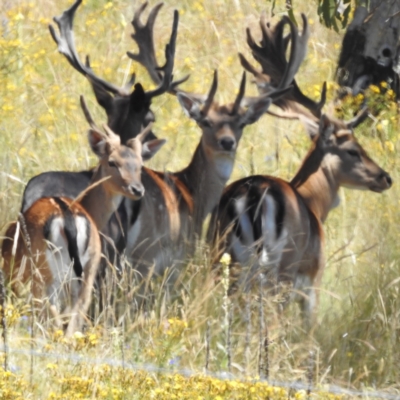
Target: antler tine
column 138, row 13
column 131, row 82
column 87, row 114
column 108, row 132
column 240, row 95
column 143, row 134
column 358, row 119
column 66, row 46
column 111, row 136
column 173, row 86
column 248, row 67
column 210, row 98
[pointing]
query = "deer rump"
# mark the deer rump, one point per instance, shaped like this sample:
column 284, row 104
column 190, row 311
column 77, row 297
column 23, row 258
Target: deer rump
column 66, row 238
column 265, row 226
column 70, row 185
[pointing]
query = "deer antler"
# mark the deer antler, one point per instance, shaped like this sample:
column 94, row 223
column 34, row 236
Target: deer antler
column 87, row 114
column 210, row 98
column 278, row 72
column 66, row 46
column 240, row 96
column 144, row 37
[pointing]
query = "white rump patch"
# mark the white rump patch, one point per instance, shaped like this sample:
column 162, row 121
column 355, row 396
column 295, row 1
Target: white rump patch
column 82, row 239
column 244, row 221
column 65, row 286
column 244, row 249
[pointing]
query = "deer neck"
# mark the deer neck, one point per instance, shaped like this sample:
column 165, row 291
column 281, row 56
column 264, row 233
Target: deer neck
column 205, row 177
column 316, row 183
column 99, row 201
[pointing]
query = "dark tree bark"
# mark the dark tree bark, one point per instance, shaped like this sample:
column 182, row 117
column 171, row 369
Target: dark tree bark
column 371, row 47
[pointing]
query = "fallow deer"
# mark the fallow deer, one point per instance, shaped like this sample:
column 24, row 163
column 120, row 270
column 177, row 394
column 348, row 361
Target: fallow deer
column 273, row 227
column 60, row 231
column 128, row 112
column 162, row 228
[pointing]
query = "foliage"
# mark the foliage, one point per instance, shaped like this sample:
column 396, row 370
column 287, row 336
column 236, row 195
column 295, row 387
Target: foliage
column 333, row 12
column 105, row 382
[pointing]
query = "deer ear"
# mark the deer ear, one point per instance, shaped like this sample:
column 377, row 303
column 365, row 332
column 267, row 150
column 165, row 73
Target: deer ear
column 151, row 147
column 190, row 106
column 98, row 142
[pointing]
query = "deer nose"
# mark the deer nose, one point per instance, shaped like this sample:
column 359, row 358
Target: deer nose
column 227, row 143
column 387, row 178
column 137, row 190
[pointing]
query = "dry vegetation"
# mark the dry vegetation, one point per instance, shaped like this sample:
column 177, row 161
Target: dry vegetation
column 356, row 341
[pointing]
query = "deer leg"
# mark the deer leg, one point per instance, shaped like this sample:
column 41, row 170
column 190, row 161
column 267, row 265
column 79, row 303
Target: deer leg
column 307, row 299
column 81, row 306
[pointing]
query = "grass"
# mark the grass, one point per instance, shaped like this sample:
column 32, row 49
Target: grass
column 356, row 341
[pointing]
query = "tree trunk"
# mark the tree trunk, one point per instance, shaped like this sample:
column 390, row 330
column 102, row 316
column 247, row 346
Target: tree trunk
column 371, row 47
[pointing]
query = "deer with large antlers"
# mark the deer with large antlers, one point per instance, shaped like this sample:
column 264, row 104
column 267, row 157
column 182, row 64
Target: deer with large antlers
column 272, row 229
column 164, row 225
column 58, row 244
column 128, row 112
column 162, row 228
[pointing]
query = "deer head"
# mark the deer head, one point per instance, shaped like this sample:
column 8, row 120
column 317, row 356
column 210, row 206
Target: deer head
column 128, row 111
column 222, row 125
column 343, row 160
column 121, row 163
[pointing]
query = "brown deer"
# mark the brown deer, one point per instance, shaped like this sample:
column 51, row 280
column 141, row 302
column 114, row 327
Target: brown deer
column 58, row 231
column 128, row 112
column 164, row 225
column 272, row 229
column 162, row 228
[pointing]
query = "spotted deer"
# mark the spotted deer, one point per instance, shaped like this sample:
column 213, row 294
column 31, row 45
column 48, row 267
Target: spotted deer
column 58, row 244
column 273, row 229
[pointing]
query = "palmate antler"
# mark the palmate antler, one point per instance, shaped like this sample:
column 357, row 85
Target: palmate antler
column 128, row 109
column 144, row 37
column 66, row 46
column 277, row 72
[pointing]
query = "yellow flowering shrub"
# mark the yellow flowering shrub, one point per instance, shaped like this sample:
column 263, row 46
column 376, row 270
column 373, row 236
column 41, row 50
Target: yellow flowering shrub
column 105, row 382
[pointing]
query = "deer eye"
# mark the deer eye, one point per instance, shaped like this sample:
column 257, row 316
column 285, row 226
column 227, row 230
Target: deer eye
column 353, row 153
column 206, row 123
column 112, row 164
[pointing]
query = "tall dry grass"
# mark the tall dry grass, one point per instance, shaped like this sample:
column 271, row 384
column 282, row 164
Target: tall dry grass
column 356, row 341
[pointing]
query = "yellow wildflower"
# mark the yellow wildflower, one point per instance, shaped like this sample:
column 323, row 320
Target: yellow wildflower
column 374, row 88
